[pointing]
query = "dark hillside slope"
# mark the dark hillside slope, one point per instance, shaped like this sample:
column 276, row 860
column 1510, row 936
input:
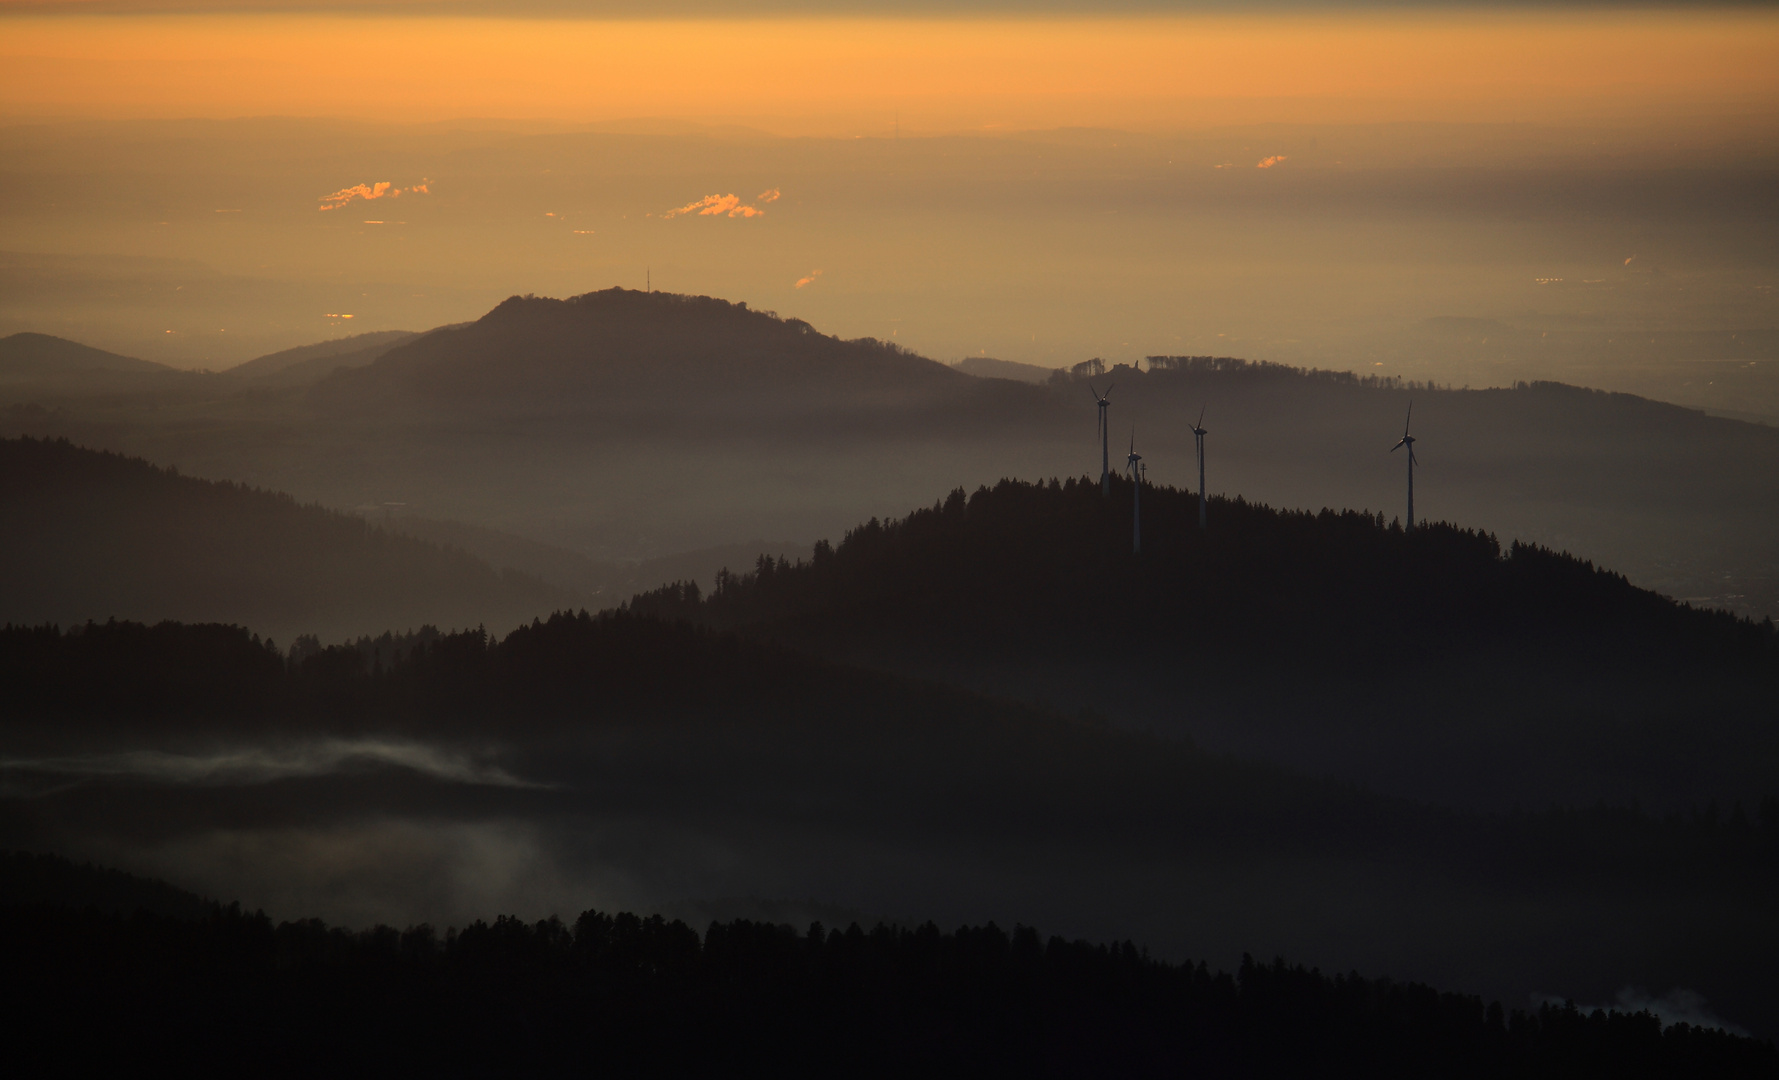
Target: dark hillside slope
column 618, row 351
column 683, row 762
column 37, row 880
column 307, row 364
column 38, row 355
column 1432, row 661
column 87, row 535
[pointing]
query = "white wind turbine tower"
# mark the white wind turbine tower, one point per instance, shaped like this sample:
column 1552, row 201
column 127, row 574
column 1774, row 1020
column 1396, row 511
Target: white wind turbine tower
column 1104, row 434
column 1198, row 436
column 1409, row 441
column 1134, row 465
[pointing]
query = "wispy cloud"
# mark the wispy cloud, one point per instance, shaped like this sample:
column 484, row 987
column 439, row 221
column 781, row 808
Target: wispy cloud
column 1678, row 1006
column 262, row 765
column 382, row 189
column 723, row 206
column 1269, row 162
column 807, row 279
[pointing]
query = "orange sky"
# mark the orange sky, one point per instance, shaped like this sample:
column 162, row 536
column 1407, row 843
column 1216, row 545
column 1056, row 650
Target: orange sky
column 830, row 76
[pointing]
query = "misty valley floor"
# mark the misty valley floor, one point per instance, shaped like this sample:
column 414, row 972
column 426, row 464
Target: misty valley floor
column 623, row 763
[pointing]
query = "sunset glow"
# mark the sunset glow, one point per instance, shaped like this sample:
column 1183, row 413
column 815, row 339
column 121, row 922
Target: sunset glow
column 828, row 76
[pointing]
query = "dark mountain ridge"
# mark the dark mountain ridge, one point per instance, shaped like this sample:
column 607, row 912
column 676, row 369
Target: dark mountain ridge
column 57, row 364
column 86, row 535
column 629, row 425
column 308, row 364
column 28, row 354
column 619, row 350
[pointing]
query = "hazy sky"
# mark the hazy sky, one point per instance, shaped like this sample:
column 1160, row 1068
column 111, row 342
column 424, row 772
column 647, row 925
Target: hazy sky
column 200, row 182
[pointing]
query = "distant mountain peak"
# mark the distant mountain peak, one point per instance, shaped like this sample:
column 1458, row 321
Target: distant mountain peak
column 618, row 350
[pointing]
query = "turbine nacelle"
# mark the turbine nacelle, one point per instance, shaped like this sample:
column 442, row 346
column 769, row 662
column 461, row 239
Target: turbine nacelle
column 1407, row 439
column 1104, row 402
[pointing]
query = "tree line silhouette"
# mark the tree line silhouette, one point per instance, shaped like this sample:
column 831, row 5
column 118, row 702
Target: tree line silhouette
column 228, row 989
column 1021, row 566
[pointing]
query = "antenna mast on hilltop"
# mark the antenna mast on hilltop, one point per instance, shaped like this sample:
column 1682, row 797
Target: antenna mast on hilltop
column 1105, row 433
column 1134, row 465
column 1198, row 436
column 648, row 279
column 1409, row 441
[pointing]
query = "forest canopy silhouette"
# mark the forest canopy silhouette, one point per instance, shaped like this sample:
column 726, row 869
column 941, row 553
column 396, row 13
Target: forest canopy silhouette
column 648, row 996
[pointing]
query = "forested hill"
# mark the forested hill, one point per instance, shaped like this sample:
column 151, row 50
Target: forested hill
column 618, row 350
column 1434, row 658
column 1048, row 568
column 86, row 535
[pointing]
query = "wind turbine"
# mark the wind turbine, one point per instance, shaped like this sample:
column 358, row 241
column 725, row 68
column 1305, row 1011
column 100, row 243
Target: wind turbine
column 1134, row 465
column 1104, row 434
column 1198, row 436
column 1409, row 441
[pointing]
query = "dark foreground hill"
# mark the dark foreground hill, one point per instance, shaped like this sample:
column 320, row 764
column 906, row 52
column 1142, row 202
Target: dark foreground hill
column 87, row 535
column 45, row 881
column 1435, row 662
column 639, row 761
column 645, row 997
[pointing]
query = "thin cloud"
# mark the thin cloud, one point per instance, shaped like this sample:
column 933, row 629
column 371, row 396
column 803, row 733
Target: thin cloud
column 382, row 189
column 808, row 279
column 722, row 206
column 1267, row 163
column 769, row 195
column 1678, row 1006
column 263, row 765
